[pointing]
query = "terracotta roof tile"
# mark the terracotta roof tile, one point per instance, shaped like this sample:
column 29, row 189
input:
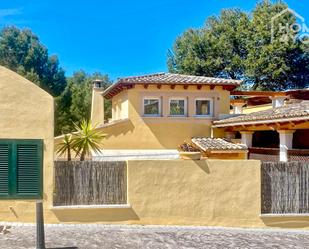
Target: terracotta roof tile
column 291, row 111
column 211, row 144
column 169, row 79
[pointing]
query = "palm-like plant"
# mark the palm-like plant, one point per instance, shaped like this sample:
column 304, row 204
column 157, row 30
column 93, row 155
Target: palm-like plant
column 66, row 146
column 87, row 139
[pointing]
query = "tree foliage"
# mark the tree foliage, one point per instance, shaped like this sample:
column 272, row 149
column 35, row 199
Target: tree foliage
column 238, row 45
column 22, row 52
column 74, row 104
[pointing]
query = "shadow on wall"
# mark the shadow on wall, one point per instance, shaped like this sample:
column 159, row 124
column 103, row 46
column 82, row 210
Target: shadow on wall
column 119, row 129
column 171, row 133
column 286, row 222
column 203, row 164
column 96, row 215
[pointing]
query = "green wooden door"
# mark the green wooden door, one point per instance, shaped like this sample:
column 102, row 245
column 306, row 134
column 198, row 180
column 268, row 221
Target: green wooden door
column 21, row 169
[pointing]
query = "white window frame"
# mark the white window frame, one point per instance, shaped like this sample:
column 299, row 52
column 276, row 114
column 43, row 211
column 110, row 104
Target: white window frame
column 185, row 107
column 160, row 107
column 211, row 102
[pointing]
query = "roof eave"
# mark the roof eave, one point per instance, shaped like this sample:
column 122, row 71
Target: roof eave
column 119, row 83
column 266, row 121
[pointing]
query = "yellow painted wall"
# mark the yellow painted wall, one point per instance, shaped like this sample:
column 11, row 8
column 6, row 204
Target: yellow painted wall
column 164, row 132
column 120, row 106
column 230, row 155
column 208, row 192
column 26, row 112
column 257, row 108
column 180, row 192
column 152, row 133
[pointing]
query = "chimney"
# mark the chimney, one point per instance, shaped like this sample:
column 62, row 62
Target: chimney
column 97, row 104
column 278, row 101
column 238, row 105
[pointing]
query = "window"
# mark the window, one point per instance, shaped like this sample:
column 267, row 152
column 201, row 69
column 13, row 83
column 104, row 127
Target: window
column 203, row 107
column 178, row 107
column 152, row 107
column 21, row 163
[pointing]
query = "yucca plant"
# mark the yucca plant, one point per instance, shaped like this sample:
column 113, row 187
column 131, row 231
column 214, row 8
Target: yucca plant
column 66, row 146
column 87, row 139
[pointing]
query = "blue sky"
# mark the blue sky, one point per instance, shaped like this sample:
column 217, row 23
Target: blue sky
column 120, row 38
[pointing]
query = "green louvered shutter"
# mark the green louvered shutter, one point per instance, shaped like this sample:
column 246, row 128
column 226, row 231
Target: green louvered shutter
column 21, row 168
column 4, row 169
column 28, row 161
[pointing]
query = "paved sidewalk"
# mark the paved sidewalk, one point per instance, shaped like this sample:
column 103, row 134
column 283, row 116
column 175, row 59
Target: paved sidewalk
column 129, row 237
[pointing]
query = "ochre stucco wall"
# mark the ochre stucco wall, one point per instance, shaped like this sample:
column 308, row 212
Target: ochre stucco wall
column 164, row 132
column 211, row 192
column 180, row 192
column 97, row 107
column 26, row 112
column 120, row 105
column 257, row 108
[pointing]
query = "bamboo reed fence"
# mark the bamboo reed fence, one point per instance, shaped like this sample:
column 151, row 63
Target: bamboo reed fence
column 90, row 183
column 285, row 187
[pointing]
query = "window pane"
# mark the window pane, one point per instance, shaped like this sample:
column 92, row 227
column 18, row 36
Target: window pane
column 177, row 107
column 151, row 107
column 202, row 107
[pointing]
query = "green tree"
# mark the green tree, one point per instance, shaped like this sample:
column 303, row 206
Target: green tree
column 217, row 50
column 238, row 45
column 274, row 64
column 74, row 104
column 22, row 52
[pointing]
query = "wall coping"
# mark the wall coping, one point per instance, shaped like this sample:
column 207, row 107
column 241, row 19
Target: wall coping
column 112, row 206
column 284, row 215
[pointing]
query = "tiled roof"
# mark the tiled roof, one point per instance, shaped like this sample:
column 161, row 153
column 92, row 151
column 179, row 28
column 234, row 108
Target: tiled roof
column 212, row 144
column 168, row 79
column 297, row 111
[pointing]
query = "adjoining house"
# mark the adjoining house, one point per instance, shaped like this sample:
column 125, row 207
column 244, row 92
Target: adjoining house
column 153, row 114
column 253, row 101
column 280, row 133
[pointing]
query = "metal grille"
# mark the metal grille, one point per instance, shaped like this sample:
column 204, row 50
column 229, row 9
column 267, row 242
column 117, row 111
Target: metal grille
column 272, row 154
column 298, row 155
column 264, row 154
column 264, row 157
